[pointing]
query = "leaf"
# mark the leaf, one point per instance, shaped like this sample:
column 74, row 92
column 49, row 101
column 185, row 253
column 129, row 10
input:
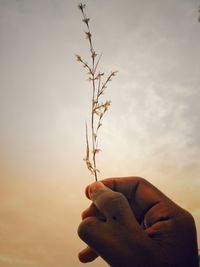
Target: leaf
column 97, row 113
column 114, row 72
column 88, row 35
column 89, row 165
column 99, row 125
column 107, row 105
column 99, row 76
column 97, row 150
column 78, row 58
column 81, row 6
column 93, row 54
column 90, row 79
column 85, row 65
column 86, row 20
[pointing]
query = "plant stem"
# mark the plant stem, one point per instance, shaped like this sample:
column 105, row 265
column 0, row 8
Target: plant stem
column 93, row 131
column 97, row 108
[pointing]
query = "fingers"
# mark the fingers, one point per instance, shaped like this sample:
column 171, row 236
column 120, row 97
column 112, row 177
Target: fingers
column 92, row 211
column 120, row 227
column 125, row 185
column 115, row 242
column 119, row 239
column 87, row 255
column 93, row 232
column 113, row 205
column 140, row 194
column 134, row 186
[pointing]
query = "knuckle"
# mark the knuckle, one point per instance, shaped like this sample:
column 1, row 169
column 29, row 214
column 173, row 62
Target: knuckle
column 189, row 218
column 84, row 214
column 85, row 226
column 183, row 220
column 113, row 198
column 118, row 197
column 140, row 180
column 81, row 230
column 116, row 202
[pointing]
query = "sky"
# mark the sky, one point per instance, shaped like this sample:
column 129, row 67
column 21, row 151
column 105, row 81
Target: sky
column 152, row 129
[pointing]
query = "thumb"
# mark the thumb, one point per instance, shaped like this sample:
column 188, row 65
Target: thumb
column 113, row 205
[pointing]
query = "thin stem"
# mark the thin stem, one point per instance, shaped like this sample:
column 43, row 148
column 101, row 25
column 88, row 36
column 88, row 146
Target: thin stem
column 97, row 63
column 93, row 131
column 89, row 35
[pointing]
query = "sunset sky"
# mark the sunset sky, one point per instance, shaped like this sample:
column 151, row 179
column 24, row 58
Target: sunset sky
column 152, row 129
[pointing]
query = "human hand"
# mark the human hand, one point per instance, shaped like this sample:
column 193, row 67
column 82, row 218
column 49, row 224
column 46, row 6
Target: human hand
column 132, row 224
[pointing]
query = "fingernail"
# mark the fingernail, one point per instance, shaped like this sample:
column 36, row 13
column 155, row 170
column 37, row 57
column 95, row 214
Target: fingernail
column 93, row 188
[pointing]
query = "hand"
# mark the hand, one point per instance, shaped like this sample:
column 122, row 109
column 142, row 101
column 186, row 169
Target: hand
column 132, row 224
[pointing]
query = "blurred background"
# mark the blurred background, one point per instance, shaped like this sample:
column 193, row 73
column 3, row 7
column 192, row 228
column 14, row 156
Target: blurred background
column 152, row 129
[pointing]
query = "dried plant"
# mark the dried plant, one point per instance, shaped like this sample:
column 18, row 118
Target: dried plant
column 98, row 107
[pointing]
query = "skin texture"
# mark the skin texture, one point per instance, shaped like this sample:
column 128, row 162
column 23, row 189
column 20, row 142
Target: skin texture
column 130, row 223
